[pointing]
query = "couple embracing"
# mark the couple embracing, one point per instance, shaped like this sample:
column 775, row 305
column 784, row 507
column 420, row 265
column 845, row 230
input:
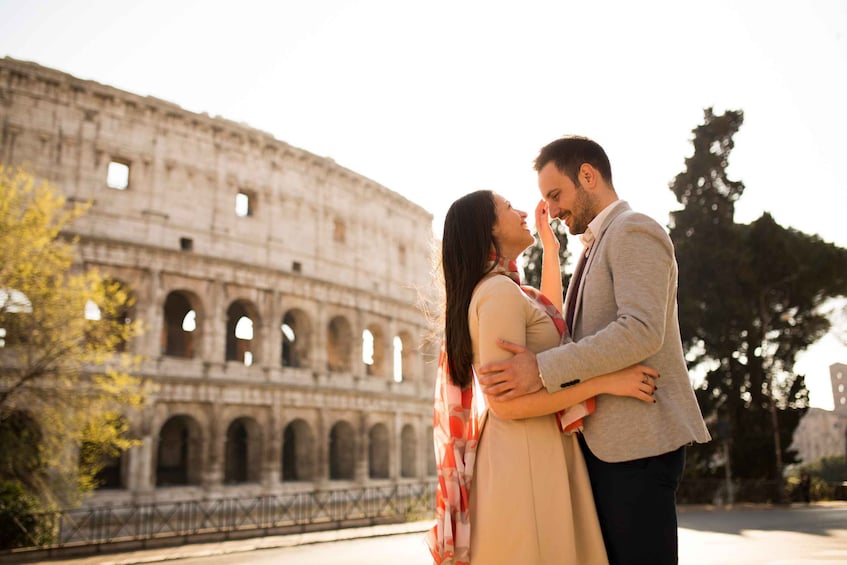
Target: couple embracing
column 569, row 447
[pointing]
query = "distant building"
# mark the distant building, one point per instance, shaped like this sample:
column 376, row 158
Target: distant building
column 278, row 290
column 838, row 375
column 823, row 433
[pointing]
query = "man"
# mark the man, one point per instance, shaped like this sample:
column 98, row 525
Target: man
column 620, row 310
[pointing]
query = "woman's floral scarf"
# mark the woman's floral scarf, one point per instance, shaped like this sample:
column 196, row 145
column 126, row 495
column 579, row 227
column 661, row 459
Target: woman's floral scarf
column 456, row 434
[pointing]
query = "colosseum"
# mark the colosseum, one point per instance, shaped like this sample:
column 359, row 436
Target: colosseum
column 279, row 292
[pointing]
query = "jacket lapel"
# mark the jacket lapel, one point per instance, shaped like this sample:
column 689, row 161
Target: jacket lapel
column 595, row 247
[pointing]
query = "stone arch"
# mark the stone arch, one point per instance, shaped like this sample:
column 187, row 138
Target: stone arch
column 296, row 331
column 112, row 468
column 430, row 454
column 182, row 325
column 408, row 452
column 404, row 357
column 17, row 326
column 378, row 452
column 178, row 453
column 298, row 451
column 342, row 451
column 339, row 345
column 373, row 350
column 119, row 311
column 242, row 332
column 21, row 438
column 242, row 452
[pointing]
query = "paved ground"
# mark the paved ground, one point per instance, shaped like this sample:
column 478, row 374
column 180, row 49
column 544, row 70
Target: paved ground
column 754, row 535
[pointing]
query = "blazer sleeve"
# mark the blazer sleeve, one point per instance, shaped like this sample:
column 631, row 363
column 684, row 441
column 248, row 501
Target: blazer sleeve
column 499, row 310
column 641, row 260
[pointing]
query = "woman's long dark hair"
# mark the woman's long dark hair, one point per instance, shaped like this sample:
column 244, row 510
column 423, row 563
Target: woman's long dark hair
column 465, row 248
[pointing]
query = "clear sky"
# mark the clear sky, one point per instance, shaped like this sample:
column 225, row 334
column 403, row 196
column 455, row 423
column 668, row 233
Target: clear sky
column 435, row 99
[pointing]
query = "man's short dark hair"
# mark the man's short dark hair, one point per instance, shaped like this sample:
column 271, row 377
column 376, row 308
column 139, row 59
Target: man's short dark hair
column 570, row 152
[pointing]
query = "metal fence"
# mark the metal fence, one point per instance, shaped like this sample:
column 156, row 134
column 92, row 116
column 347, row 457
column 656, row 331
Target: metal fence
column 123, row 527
column 161, row 523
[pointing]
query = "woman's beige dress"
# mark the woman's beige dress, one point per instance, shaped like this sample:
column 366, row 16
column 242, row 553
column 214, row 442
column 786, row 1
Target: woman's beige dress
column 531, row 501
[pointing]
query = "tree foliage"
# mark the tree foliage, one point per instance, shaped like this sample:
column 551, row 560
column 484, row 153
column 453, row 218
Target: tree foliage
column 64, row 382
column 827, row 477
column 532, row 257
column 751, row 299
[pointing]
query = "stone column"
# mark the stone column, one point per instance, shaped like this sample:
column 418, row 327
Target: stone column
column 395, row 445
column 214, row 326
column 321, row 477
column 141, row 471
column 389, row 346
column 272, row 461
column 270, row 348
column 213, row 476
column 360, row 467
column 150, row 343
column 317, row 355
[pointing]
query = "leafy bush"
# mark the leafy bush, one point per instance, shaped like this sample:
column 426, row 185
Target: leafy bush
column 22, row 522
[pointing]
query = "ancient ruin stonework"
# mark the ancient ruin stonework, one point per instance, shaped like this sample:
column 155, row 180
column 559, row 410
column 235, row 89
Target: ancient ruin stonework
column 262, row 274
column 823, row 433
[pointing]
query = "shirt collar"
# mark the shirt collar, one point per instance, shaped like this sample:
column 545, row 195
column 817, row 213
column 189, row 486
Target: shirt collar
column 595, row 225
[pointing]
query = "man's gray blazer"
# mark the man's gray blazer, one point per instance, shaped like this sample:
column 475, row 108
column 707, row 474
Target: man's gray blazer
column 626, row 313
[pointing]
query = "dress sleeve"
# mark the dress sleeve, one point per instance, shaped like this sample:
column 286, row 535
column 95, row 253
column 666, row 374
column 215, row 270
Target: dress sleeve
column 499, row 311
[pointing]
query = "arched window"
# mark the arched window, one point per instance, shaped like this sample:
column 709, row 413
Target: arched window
column 408, row 452
column 430, row 454
column 339, row 345
column 180, row 326
column 296, row 337
column 107, row 462
column 107, row 320
column 397, row 359
column 404, row 357
column 242, row 452
column 240, row 328
column 342, row 451
column 373, row 350
column 378, row 452
column 21, row 438
column 178, row 460
column 13, row 327
column 298, row 452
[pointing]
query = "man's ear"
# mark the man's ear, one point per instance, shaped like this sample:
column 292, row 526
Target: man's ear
column 588, row 176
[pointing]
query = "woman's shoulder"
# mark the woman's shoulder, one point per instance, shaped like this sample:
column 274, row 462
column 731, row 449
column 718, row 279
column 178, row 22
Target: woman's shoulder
column 497, row 286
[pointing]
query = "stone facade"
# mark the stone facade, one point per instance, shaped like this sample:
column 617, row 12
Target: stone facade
column 262, row 274
column 823, row 433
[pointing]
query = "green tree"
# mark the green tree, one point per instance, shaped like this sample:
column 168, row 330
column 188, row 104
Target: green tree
column 532, row 257
column 750, row 300
column 826, row 474
column 64, row 382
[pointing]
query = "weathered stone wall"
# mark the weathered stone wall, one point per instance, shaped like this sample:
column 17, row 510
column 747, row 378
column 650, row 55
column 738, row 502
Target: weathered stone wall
column 823, row 433
column 321, row 245
column 820, row 433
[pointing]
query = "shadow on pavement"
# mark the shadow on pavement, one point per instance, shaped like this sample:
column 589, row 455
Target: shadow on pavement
column 816, row 519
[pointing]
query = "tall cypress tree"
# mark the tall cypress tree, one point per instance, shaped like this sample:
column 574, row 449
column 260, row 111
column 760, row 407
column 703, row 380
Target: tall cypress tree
column 750, row 299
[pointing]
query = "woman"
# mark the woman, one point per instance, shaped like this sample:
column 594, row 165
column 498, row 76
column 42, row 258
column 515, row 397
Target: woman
column 512, row 487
